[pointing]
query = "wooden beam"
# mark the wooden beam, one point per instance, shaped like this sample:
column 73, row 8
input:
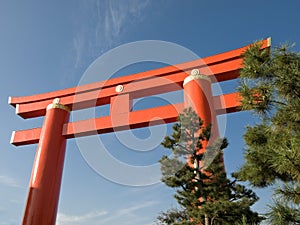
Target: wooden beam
column 187, row 66
column 137, row 89
column 227, row 103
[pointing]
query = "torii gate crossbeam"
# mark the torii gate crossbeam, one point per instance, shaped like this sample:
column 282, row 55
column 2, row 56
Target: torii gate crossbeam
column 119, row 93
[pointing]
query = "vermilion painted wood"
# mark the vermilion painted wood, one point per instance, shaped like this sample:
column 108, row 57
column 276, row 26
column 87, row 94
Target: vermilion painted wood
column 227, row 56
column 152, row 86
column 198, row 95
column 124, row 121
column 44, row 188
column 227, row 103
column 26, row 137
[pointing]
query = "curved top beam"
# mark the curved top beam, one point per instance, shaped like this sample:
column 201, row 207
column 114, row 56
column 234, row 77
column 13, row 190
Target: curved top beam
column 187, row 66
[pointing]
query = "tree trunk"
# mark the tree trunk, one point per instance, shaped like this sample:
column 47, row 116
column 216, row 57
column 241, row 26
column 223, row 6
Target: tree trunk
column 206, row 220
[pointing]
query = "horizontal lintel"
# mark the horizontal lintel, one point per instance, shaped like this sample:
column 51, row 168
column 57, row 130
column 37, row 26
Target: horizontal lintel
column 137, row 89
column 137, row 119
column 187, row 66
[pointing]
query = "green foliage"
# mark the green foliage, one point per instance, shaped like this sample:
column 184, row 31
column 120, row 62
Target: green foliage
column 283, row 214
column 270, row 86
column 174, row 216
column 202, row 190
column 289, row 192
column 243, row 221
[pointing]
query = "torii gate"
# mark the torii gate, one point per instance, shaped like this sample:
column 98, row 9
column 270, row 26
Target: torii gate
column 44, row 187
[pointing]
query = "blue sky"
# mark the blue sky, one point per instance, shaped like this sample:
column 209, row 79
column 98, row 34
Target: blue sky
column 48, row 45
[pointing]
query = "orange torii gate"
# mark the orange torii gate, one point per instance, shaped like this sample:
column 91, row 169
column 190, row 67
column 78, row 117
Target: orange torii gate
column 44, row 187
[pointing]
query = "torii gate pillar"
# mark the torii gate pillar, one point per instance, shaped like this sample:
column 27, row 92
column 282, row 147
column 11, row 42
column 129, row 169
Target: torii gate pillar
column 198, row 95
column 44, row 187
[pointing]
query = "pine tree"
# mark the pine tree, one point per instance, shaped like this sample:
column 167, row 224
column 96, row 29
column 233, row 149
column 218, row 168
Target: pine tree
column 203, row 191
column 270, row 86
column 283, row 213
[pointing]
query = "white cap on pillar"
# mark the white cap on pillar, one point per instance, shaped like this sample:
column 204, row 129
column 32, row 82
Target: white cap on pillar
column 195, row 75
column 56, row 105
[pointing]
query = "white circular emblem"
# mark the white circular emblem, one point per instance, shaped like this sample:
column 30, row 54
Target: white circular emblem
column 119, row 88
column 195, row 72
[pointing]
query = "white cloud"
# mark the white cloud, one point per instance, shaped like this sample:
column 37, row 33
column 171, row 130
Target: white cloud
column 101, row 25
column 116, row 16
column 9, row 181
column 134, row 208
column 125, row 215
column 10, row 222
column 128, row 215
column 78, row 44
column 98, row 26
column 64, row 219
